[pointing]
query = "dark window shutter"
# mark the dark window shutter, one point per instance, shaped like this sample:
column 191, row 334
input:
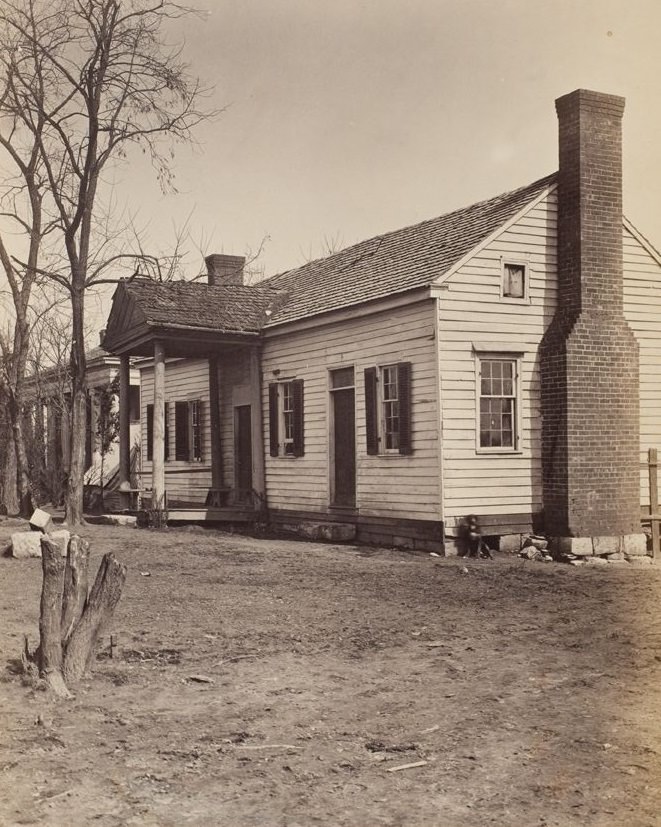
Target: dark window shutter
column 404, row 390
column 181, row 431
column 150, row 432
column 273, row 419
column 371, row 414
column 299, row 426
column 167, row 431
column 198, row 432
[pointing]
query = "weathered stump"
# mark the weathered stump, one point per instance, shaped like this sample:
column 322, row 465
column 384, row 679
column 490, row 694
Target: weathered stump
column 71, row 621
column 49, row 653
column 105, row 594
column 75, row 585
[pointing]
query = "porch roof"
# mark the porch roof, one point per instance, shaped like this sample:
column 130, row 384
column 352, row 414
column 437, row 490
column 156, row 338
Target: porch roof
column 188, row 317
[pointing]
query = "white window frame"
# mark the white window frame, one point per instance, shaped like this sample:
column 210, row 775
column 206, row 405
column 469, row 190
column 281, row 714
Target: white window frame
column 515, row 358
column 515, row 262
column 285, row 419
column 382, row 417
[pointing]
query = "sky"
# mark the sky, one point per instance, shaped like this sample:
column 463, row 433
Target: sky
column 345, row 119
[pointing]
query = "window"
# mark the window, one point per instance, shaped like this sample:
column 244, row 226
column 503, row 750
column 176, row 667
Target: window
column 287, row 417
column 188, row 430
column 514, row 284
column 388, row 409
column 286, row 430
column 497, row 380
column 134, row 403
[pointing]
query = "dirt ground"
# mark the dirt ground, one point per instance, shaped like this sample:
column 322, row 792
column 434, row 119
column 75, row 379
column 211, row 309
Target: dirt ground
column 531, row 691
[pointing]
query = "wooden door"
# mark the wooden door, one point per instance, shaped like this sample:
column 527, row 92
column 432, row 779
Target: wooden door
column 243, row 448
column 344, row 447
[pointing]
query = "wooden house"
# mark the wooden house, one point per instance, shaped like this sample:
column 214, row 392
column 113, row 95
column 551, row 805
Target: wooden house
column 47, row 405
column 501, row 360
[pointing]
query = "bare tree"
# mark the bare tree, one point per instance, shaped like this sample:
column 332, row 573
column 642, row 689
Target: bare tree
column 94, row 78
column 22, row 193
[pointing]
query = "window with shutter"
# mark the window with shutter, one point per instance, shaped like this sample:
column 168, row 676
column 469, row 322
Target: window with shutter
column 388, row 409
column 286, row 419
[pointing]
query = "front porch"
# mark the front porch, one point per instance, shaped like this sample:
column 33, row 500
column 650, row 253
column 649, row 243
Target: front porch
column 202, row 449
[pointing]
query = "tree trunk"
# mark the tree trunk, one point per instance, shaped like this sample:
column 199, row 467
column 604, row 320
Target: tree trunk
column 50, row 644
column 74, row 494
column 75, row 585
column 78, row 424
column 103, row 599
column 9, row 479
column 24, row 489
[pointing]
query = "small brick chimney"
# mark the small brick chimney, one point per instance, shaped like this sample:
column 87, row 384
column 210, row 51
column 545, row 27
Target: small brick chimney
column 224, row 270
column 589, row 356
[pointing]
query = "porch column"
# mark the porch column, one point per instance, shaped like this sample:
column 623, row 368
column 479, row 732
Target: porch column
column 158, row 447
column 214, row 423
column 124, row 431
column 258, row 481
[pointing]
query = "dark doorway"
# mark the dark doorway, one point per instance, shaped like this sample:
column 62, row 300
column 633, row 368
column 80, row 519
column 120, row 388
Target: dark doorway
column 343, row 460
column 243, row 448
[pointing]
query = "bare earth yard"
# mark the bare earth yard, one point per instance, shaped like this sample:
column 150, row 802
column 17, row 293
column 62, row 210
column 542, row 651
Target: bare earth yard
column 531, row 690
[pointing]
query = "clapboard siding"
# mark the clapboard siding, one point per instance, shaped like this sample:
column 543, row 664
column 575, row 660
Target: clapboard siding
column 471, row 311
column 185, row 379
column 392, row 485
column 642, row 308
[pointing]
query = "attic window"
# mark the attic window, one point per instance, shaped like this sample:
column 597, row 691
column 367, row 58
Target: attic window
column 514, row 284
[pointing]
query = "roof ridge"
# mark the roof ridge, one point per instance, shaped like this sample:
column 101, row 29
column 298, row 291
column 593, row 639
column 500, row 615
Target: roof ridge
column 538, row 184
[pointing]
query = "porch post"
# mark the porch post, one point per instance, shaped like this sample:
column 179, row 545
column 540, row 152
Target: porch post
column 158, row 447
column 258, row 481
column 124, row 431
column 214, row 423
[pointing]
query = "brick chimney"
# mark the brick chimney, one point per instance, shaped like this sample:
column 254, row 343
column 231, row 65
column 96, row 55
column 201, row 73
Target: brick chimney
column 224, row 270
column 589, row 357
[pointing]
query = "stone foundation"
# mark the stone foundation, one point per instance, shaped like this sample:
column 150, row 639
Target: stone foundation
column 609, row 549
column 592, row 551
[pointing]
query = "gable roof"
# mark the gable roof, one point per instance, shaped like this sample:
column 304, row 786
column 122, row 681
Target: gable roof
column 190, row 304
column 397, row 261
column 388, row 264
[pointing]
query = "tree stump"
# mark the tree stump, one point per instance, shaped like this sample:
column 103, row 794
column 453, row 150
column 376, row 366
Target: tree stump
column 71, row 620
column 75, row 585
column 99, row 608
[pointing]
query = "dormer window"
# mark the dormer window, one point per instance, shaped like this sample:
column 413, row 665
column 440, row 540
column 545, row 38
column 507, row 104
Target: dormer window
column 514, row 280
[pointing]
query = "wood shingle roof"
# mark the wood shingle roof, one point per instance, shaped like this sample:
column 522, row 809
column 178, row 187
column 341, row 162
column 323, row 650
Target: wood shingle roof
column 397, row 261
column 200, row 306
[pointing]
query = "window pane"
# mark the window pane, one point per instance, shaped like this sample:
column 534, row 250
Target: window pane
column 342, row 378
column 497, row 400
column 514, row 281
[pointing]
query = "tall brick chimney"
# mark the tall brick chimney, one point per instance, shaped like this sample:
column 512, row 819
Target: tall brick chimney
column 224, row 270
column 589, row 357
